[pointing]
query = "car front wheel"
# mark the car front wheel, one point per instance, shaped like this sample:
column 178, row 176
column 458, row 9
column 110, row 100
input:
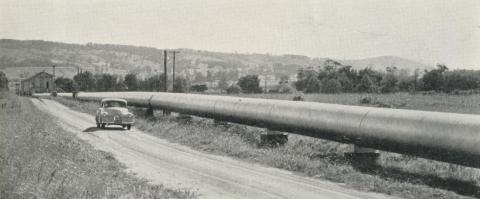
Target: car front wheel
column 129, row 127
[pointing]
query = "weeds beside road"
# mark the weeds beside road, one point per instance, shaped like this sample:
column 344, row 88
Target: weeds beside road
column 394, row 174
column 40, row 160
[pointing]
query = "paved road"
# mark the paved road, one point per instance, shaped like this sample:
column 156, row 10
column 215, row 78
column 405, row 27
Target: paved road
column 178, row 166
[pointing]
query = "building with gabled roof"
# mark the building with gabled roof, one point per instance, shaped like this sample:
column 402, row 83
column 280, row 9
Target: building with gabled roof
column 41, row 82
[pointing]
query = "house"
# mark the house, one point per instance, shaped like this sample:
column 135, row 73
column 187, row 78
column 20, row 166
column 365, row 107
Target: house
column 41, row 82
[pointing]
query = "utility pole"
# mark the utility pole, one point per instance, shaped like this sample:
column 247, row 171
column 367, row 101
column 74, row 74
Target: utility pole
column 265, row 84
column 173, row 68
column 265, row 81
column 53, row 66
column 165, row 69
column 53, row 83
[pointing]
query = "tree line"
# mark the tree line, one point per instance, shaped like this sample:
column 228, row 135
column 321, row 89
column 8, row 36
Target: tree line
column 331, row 77
column 87, row 81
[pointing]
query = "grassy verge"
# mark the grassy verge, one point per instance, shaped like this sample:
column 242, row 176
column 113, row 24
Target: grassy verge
column 394, row 174
column 39, row 160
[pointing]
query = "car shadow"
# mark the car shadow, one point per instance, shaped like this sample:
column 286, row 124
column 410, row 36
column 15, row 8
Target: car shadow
column 94, row 129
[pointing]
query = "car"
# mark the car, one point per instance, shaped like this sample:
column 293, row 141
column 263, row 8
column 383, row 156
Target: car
column 113, row 111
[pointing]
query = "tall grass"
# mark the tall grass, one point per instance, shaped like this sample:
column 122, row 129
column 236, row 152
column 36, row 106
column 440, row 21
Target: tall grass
column 393, row 174
column 39, row 160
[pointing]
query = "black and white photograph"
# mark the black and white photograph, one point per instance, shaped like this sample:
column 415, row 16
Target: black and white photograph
column 234, row 99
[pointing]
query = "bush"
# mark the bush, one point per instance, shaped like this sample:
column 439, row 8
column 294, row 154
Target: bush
column 198, row 88
column 285, row 88
column 233, row 89
column 250, row 84
column 65, row 84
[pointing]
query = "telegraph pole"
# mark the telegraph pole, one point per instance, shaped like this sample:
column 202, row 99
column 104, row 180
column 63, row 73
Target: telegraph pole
column 165, row 69
column 53, row 84
column 53, row 66
column 173, row 67
column 265, row 91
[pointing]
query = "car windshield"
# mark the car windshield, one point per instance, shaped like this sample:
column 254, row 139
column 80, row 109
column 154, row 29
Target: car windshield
column 114, row 104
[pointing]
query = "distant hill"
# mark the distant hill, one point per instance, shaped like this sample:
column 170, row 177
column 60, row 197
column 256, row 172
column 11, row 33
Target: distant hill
column 146, row 61
column 379, row 63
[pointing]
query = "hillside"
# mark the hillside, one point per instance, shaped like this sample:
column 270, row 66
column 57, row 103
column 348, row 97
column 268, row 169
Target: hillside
column 146, row 61
column 379, row 63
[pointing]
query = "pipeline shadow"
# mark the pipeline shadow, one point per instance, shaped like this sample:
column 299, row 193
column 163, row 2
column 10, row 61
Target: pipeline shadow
column 461, row 187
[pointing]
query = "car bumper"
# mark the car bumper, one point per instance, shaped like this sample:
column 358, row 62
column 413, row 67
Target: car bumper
column 117, row 120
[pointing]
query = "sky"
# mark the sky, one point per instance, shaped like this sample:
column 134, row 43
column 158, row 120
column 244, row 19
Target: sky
column 429, row 31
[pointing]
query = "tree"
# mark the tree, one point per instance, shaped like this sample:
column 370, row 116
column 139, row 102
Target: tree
column 66, row 84
column 222, row 83
column 434, row 79
column 460, row 80
column 345, row 82
column 131, row 82
column 329, row 69
column 312, row 85
column 367, row 85
column 307, row 80
column 301, row 76
column 331, row 86
column 389, row 83
column 250, row 84
column 153, row 83
column 3, row 81
column 85, row 81
column 199, row 77
column 374, row 76
column 106, row 82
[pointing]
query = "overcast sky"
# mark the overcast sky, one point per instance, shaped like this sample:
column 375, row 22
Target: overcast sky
column 431, row 31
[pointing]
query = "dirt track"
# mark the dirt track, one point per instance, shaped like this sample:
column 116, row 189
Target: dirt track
column 178, row 166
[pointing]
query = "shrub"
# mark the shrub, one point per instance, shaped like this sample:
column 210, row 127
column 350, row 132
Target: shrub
column 233, row 89
column 198, row 88
column 250, row 84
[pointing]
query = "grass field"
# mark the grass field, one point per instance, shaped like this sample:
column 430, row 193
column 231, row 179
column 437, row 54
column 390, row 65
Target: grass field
column 432, row 102
column 40, row 160
column 393, row 174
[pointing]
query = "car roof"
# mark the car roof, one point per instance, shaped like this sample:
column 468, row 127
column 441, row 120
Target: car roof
column 114, row 99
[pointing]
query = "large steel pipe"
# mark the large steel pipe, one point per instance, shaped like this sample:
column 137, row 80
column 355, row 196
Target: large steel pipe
column 448, row 137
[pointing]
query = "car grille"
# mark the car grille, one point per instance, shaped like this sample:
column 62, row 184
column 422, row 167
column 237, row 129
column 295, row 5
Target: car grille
column 127, row 119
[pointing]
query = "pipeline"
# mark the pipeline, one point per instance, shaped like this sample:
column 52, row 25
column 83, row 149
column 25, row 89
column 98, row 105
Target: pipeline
column 448, row 137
